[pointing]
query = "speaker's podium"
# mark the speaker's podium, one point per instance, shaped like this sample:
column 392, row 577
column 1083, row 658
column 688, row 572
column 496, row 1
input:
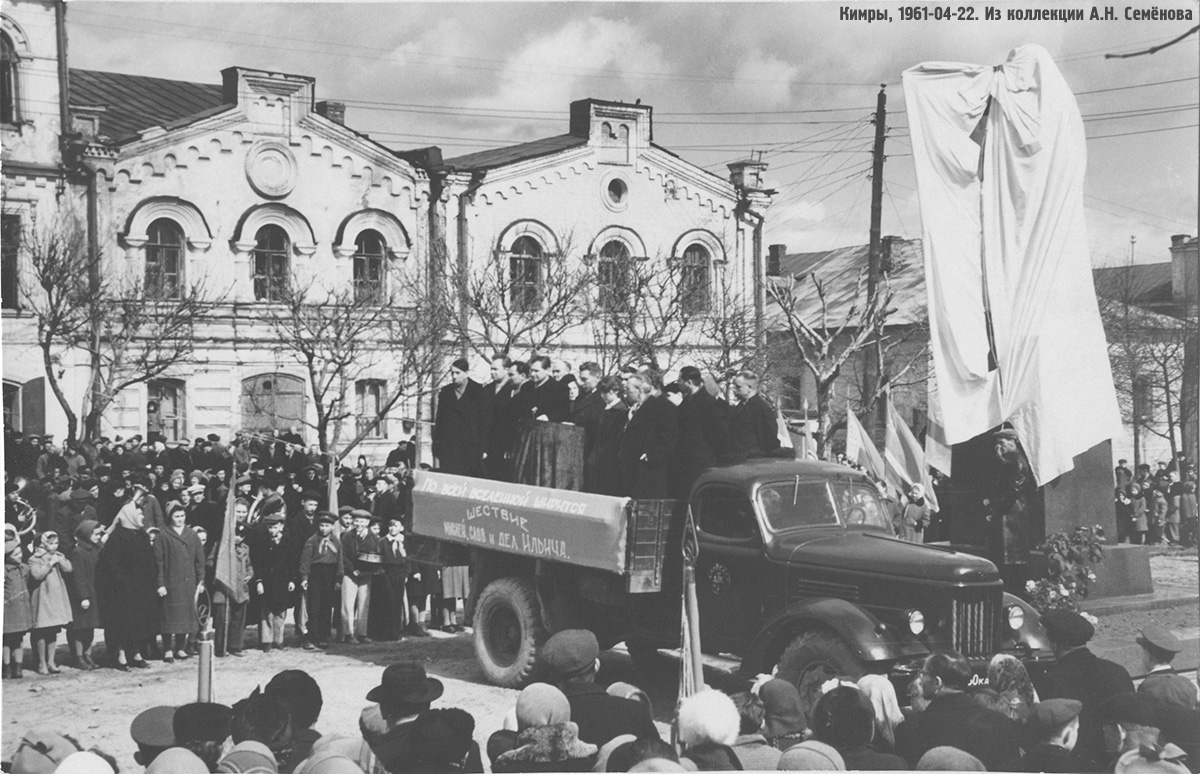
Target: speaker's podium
column 1081, row 497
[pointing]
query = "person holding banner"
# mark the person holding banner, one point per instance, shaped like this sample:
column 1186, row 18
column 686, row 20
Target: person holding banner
column 230, row 601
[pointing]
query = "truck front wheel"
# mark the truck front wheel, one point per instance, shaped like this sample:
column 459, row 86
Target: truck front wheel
column 811, row 659
column 508, row 631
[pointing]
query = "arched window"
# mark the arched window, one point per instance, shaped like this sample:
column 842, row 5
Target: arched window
column 370, row 256
column 271, row 263
column 164, row 259
column 9, row 81
column 273, row 403
column 613, row 275
column 525, row 274
column 694, row 279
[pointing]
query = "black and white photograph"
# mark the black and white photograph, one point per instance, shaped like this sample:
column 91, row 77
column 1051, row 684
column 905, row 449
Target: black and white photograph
column 401, row 387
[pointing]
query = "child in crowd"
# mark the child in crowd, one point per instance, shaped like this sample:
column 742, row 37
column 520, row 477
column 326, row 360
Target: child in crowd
column 321, row 576
column 85, row 613
column 228, row 635
column 18, row 613
column 49, row 598
column 273, row 583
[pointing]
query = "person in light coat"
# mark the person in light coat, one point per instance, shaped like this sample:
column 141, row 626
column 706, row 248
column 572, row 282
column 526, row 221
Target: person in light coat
column 50, row 599
column 18, row 614
column 180, row 558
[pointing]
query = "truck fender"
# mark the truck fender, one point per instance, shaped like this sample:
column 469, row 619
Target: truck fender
column 869, row 638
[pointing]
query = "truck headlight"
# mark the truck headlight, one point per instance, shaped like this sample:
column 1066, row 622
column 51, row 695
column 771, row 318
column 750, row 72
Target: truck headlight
column 1016, row 617
column 916, row 621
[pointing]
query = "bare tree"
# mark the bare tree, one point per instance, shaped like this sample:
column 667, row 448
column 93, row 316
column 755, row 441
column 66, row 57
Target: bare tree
column 341, row 336
column 828, row 336
column 520, row 300
column 131, row 334
column 1148, row 353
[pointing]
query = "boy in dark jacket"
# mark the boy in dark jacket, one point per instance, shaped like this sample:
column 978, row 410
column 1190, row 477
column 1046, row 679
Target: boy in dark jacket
column 360, row 563
column 274, row 582
column 321, row 570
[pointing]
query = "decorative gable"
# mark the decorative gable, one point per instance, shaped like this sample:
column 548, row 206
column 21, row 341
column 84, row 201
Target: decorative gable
column 272, row 102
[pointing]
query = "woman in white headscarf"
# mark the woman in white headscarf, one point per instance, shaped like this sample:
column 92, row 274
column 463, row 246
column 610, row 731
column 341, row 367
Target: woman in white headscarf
column 126, row 585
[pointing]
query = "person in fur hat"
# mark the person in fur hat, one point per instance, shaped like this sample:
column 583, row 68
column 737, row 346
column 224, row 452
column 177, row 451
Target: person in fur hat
column 85, row 613
column 49, row 598
column 708, row 725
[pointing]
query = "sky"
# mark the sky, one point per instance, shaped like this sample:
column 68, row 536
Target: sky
column 790, row 80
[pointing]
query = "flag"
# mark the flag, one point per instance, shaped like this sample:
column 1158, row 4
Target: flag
column 904, row 457
column 226, row 564
column 785, row 435
column 937, row 451
column 860, row 449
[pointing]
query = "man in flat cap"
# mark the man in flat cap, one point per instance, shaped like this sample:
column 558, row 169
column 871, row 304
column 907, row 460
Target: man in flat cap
column 1083, row 676
column 203, row 728
column 361, row 562
column 1053, row 728
column 1008, row 539
column 573, row 655
column 153, row 731
column 1159, row 648
column 1132, row 738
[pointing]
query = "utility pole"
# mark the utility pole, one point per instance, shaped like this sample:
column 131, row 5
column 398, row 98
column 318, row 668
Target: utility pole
column 871, row 363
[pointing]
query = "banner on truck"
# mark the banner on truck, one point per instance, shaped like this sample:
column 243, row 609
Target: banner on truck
column 558, row 525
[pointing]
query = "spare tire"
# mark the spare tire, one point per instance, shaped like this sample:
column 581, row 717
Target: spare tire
column 508, row 631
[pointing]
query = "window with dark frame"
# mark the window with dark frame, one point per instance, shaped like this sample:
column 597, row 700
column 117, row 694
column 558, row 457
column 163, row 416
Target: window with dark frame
column 164, row 259
column 694, row 279
column 371, row 395
column 271, row 263
column 370, row 267
column 9, row 81
column 525, row 274
column 613, row 275
column 168, row 394
column 10, row 267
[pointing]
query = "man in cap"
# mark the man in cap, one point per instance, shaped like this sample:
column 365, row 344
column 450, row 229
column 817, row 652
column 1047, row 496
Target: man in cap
column 1083, row 676
column 404, row 692
column 153, row 731
column 299, row 528
column 1132, row 738
column 1159, row 648
column 321, row 572
column 361, row 562
column 1053, row 728
column 573, row 655
column 954, row 718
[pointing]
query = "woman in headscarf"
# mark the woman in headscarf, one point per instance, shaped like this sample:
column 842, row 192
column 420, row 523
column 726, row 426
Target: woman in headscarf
column 50, row 599
column 915, row 516
column 126, row 580
column 783, row 714
column 180, row 559
column 546, row 738
column 85, row 613
column 1007, row 677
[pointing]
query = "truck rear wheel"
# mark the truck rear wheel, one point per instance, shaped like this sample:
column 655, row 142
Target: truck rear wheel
column 508, row 631
column 811, row 659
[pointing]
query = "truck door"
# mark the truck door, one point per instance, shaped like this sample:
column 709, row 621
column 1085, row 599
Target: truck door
column 730, row 569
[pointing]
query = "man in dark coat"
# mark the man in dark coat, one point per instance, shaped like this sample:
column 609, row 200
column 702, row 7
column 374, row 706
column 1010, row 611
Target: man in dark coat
column 1162, row 683
column 588, row 407
column 1008, row 541
column 954, row 719
column 202, row 513
column 502, row 422
column 1053, row 728
column 647, row 443
column 297, row 529
column 126, row 584
column 703, row 431
column 460, row 427
column 573, row 655
column 753, row 427
column 1081, row 675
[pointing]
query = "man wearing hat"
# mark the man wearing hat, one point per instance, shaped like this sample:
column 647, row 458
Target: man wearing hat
column 1053, row 727
column 1083, row 676
column 321, row 574
column 573, row 655
column 1133, row 741
column 301, row 526
column 203, row 728
column 1159, row 648
column 361, row 562
column 153, row 731
column 404, row 692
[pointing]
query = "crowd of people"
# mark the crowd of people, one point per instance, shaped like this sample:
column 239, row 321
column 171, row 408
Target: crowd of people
column 1159, row 507
column 1082, row 715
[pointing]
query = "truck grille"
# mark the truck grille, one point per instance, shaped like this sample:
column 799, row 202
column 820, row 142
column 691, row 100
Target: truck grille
column 973, row 625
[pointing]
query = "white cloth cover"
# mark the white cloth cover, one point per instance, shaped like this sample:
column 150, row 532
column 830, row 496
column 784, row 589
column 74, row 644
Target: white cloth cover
column 1017, row 240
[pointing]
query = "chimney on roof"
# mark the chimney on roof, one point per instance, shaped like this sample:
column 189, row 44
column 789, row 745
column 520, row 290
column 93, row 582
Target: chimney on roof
column 1177, row 240
column 775, row 255
column 334, row 111
column 1185, row 272
column 889, row 243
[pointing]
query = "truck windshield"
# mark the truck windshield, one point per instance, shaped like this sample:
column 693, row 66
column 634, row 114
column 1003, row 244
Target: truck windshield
column 792, row 504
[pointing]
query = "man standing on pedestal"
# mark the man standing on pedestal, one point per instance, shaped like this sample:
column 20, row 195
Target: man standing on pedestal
column 1008, row 540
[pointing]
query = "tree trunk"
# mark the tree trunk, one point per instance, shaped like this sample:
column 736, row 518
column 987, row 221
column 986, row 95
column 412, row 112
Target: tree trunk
column 1167, row 404
column 824, row 418
column 56, row 388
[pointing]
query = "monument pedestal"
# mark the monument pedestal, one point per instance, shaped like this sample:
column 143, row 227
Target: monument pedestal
column 1082, row 497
